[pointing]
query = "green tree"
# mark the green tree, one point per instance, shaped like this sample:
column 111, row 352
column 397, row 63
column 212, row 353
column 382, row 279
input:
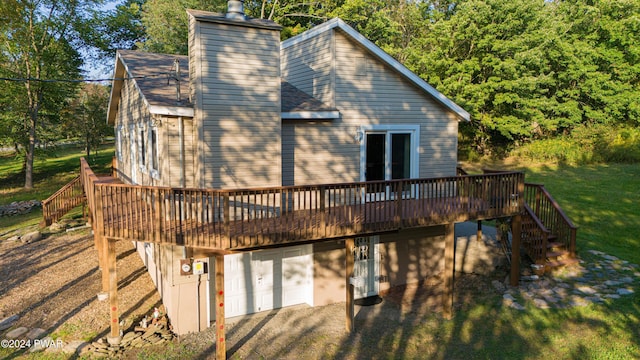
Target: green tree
column 85, row 116
column 166, row 23
column 38, row 44
column 119, row 28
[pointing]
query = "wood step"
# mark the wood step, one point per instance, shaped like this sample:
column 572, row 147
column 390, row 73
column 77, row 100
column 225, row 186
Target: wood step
column 557, row 254
column 553, row 246
column 557, row 264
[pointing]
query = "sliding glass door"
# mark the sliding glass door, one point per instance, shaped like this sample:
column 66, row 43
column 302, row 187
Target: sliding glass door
column 389, row 153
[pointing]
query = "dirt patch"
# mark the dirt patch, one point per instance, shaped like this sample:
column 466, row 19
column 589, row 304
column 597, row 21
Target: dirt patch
column 52, row 284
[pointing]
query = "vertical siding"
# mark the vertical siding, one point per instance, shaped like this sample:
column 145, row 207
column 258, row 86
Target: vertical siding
column 237, row 91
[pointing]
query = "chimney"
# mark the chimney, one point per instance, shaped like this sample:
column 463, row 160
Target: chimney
column 235, row 10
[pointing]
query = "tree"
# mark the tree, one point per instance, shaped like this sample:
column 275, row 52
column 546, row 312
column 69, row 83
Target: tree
column 38, row 46
column 119, row 28
column 166, row 23
column 85, row 116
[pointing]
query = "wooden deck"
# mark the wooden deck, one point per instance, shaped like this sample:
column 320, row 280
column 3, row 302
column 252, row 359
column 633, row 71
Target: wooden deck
column 223, row 221
column 246, row 219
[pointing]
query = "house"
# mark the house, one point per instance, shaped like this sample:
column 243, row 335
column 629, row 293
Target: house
column 245, row 110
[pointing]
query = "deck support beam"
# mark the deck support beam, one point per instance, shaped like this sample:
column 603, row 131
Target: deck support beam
column 221, row 347
column 103, row 250
column 114, row 335
column 449, row 269
column 349, row 265
column 516, row 234
column 479, row 231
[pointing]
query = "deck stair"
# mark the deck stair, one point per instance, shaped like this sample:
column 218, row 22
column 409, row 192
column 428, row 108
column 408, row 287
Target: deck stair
column 62, row 201
column 553, row 238
column 548, row 235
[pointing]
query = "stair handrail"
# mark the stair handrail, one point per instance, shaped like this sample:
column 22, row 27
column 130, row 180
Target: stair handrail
column 62, row 201
column 538, row 252
column 560, row 222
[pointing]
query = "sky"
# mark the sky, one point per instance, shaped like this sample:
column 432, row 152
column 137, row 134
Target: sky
column 91, row 69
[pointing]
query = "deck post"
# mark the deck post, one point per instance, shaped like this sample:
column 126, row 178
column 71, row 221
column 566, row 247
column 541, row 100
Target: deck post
column 114, row 335
column 449, row 269
column 516, row 233
column 349, row 244
column 479, row 231
column 103, row 249
column 221, row 347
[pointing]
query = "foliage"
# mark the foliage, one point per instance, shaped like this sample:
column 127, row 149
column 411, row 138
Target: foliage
column 85, row 116
column 39, row 46
column 110, row 30
column 587, row 144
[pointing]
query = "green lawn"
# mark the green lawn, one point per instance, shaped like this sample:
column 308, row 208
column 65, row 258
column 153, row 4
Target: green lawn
column 602, row 200
column 51, row 171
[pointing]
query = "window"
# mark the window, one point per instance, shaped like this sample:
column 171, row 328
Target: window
column 119, row 143
column 154, row 152
column 142, row 153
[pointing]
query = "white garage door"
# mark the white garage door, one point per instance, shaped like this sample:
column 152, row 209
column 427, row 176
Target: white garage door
column 267, row 279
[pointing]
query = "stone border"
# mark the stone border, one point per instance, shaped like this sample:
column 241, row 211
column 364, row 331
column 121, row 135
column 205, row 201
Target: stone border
column 607, row 278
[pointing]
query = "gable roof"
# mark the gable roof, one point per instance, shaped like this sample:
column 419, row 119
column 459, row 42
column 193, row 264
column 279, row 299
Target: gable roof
column 152, row 74
column 372, row 48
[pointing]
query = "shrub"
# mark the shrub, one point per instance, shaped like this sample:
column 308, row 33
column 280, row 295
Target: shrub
column 586, row 145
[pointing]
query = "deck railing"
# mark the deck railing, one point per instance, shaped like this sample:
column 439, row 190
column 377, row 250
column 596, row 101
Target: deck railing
column 265, row 217
column 551, row 215
column 535, row 236
column 62, row 201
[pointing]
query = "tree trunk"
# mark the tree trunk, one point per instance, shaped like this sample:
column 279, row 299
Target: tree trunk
column 30, row 151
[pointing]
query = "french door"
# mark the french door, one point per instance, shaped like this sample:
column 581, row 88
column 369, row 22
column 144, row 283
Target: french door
column 389, row 153
column 366, row 266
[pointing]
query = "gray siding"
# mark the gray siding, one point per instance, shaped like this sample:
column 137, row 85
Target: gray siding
column 372, row 93
column 310, row 66
column 366, row 92
column 237, row 105
column 132, row 110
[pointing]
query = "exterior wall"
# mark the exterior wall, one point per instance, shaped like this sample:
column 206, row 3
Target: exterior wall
column 406, row 257
column 131, row 111
column 236, row 89
column 366, row 92
column 173, row 172
column 179, row 293
column 310, row 66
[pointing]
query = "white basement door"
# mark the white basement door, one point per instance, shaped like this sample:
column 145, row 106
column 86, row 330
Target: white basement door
column 267, row 279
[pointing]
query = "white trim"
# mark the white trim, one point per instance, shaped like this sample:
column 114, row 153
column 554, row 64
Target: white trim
column 380, row 54
column 414, row 130
column 143, row 149
column 153, row 172
column 314, row 115
column 171, row 110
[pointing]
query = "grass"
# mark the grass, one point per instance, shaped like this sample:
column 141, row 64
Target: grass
column 51, row 171
column 603, row 200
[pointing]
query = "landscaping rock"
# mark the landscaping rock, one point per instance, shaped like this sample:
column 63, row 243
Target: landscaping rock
column 16, row 333
column 35, row 333
column 624, row 291
column 31, row 237
column 19, row 208
column 8, row 322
